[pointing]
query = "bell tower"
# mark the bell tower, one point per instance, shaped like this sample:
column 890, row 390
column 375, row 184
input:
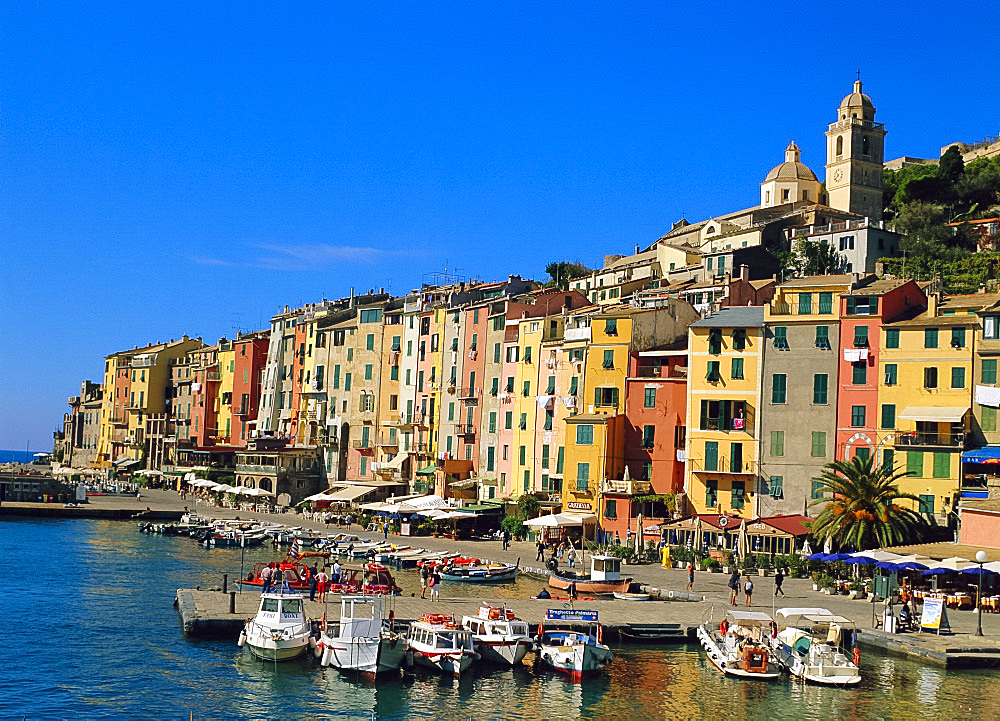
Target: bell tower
column 855, row 145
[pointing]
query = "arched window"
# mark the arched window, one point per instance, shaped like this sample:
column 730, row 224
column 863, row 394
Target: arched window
column 265, row 484
column 840, row 145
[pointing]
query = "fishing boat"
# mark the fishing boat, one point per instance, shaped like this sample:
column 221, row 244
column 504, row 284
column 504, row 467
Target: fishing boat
column 498, row 635
column 740, row 647
column 293, row 570
column 483, row 573
column 362, row 641
column 808, row 644
column 279, row 631
column 564, row 649
column 605, row 577
column 439, row 642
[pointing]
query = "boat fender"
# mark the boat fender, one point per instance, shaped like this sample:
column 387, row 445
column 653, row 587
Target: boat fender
column 600, row 633
column 670, row 594
column 392, row 620
column 857, row 656
column 318, row 650
column 774, row 630
column 541, row 630
column 243, row 638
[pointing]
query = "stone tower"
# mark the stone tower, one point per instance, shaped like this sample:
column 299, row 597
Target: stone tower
column 854, row 155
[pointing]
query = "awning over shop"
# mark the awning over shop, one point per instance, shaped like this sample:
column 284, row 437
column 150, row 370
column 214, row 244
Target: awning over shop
column 126, row 463
column 986, row 454
column 481, row 508
column 397, row 461
column 939, row 414
column 427, row 470
column 352, row 493
column 464, row 485
column 560, row 520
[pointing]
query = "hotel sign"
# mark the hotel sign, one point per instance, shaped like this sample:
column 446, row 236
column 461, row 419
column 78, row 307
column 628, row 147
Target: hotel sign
column 578, row 506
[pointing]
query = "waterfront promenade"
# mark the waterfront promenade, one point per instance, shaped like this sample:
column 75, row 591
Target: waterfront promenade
column 711, row 586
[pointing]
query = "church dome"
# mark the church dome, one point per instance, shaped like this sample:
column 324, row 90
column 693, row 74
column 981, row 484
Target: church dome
column 857, row 99
column 792, row 168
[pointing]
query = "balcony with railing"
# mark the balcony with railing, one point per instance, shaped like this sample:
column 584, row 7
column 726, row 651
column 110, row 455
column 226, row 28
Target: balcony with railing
column 914, row 439
column 575, row 334
column 362, row 444
column 421, row 447
column 723, row 465
column 465, row 429
column 629, row 487
column 242, row 411
column 143, row 361
column 469, row 394
column 215, row 375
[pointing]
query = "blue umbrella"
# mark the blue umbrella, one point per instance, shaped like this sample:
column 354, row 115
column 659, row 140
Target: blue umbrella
column 836, row 557
column 975, row 571
column 816, row 557
column 858, row 560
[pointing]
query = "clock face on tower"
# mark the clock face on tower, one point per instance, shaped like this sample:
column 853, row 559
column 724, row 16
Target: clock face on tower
column 838, row 174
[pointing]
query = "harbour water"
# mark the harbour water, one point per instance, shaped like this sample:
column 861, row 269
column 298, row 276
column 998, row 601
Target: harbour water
column 91, row 633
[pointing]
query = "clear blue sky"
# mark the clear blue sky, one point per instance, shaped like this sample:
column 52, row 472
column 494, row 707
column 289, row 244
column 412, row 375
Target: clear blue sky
column 170, row 170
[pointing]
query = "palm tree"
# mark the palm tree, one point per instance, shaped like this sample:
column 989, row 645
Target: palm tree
column 863, row 510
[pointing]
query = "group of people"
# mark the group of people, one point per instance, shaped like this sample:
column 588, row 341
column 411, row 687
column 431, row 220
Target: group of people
column 560, row 551
column 736, row 583
column 430, row 580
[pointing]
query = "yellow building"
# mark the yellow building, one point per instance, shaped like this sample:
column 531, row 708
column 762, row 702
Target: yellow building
column 925, row 397
column 594, row 444
column 725, row 352
column 224, row 411
column 529, row 419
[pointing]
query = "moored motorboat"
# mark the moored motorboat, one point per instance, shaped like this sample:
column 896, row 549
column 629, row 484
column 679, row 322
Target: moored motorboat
column 362, row 641
column 498, row 635
column 564, row 649
column 605, row 577
column 808, row 644
column 482, row 573
column 740, row 647
column 279, row 631
column 439, row 642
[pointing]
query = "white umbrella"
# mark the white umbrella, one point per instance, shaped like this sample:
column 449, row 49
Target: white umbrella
column 224, row 488
column 547, row 521
column 954, row 563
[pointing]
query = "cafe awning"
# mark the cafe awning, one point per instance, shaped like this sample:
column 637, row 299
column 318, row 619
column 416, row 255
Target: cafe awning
column 126, row 463
column 934, row 414
column 986, row 454
column 427, row 470
column 397, row 461
column 352, row 493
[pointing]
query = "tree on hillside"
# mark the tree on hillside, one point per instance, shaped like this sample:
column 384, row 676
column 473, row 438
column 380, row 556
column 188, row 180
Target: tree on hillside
column 861, row 508
column 951, row 167
column 814, row 257
column 561, row 272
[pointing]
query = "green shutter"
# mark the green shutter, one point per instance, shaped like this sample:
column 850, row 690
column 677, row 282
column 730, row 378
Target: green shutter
column 891, row 374
column 822, row 336
column 859, row 373
column 930, row 337
column 560, row 459
column 737, row 369
column 990, row 371
column 774, row 486
column 988, row 418
column 958, row 377
column 892, row 338
column 926, row 503
column 819, row 444
column 777, row 443
column 805, row 303
column 888, row 415
column 821, row 383
column 915, row 463
column 778, row 388
column 825, row 303
column 711, row 456
column 942, row 465
column 860, row 336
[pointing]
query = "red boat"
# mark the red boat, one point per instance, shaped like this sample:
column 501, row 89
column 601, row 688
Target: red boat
column 371, row 579
column 454, row 560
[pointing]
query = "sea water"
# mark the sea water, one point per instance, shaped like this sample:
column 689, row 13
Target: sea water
column 91, row 633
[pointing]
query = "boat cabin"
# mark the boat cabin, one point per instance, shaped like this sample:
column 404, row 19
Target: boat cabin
column 280, row 610
column 440, row 632
column 605, row 568
column 359, row 618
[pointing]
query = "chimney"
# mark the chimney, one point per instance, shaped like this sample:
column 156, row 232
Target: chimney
column 637, row 250
column 744, row 272
column 854, row 280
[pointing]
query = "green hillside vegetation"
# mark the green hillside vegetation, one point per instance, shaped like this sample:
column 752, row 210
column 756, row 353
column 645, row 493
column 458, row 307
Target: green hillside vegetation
column 921, row 200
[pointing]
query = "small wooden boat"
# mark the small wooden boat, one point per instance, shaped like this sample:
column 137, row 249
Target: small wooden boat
column 629, row 596
column 568, row 651
column 604, row 577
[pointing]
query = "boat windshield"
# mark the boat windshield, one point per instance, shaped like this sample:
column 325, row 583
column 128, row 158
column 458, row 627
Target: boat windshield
column 802, row 645
column 290, row 606
column 270, row 605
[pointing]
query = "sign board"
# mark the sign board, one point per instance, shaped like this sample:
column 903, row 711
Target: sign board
column 568, row 614
column 723, row 521
column 578, row 506
column 81, row 493
column 404, row 528
column 935, row 615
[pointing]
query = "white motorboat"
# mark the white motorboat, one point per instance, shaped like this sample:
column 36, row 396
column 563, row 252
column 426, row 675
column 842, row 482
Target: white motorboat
column 808, row 644
column 279, row 631
column 437, row 641
column 498, row 636
column 362, row 641
column 739, row 647
column 566, row 650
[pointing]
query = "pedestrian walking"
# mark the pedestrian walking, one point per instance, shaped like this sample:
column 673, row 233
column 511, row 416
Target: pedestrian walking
column 323, row 583
column 571, row 592
column 748, row 589
column 779, row 578
column 435, row 584
column 313, row 581
column 505, row 539
column 385, row 530
column 571, row 557
column 424, row 576
column 690, row 570
column 734, row 587
column 540, row 550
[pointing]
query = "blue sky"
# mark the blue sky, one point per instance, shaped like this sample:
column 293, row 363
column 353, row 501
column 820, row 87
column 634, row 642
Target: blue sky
column 171, row 170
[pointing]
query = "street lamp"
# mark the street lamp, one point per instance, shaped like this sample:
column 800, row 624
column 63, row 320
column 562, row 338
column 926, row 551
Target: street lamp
column 980, row 559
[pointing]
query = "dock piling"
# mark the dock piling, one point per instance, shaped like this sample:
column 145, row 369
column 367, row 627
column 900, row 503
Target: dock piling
column 232, row 602
column 225, row 583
